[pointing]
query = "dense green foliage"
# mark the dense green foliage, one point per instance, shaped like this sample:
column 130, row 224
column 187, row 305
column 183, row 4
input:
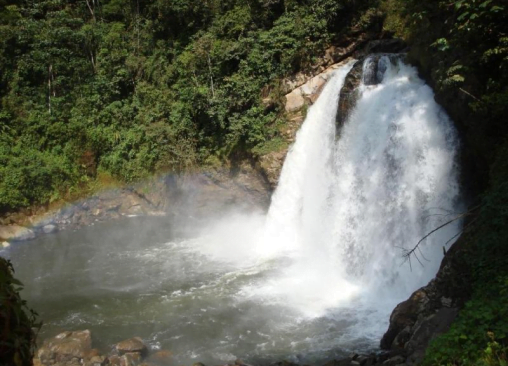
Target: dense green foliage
column 462, row 47
column 130, row 88
column 17, row 321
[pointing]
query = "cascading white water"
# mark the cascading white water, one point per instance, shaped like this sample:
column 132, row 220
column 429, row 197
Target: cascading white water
column 344, row 210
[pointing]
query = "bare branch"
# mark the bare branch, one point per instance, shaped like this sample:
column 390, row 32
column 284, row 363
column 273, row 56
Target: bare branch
column 413, row 252
column 91, row 9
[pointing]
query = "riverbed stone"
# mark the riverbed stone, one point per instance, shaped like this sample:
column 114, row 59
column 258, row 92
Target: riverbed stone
column 131, row 359
column 65, row 347
column 397, row 360
column 161, row 357
column 50, row 228
column 96, row 361
column 341, row 362
column 131, row 345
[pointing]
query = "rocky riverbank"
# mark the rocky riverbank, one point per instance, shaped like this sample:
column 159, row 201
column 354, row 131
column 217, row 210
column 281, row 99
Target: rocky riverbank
column 191, row 195
column 76, row 349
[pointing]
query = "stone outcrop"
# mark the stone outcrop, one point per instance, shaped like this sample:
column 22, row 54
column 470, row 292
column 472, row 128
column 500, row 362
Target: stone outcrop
column 75, row 349
column 307, row 93
column 430, row 310
column 131, row 345
column 67, row 348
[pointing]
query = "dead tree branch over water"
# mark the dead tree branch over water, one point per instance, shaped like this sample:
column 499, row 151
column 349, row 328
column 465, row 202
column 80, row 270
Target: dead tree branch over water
column 416, row 251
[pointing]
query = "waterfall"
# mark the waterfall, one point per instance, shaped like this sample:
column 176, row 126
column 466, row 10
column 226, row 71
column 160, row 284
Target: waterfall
column 310, row 281
column 345, row 209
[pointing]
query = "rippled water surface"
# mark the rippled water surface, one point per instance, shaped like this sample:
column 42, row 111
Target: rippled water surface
column 145, row 277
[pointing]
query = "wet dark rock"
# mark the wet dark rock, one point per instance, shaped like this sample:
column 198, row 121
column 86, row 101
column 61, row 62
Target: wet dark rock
column 385, row 355
column 284, row 363
column 394, row 45
column 426, row 330
column 404, row 316
column 131, row 345
column 375, row 67
column 366, row 360
column 343, row 362
column 430, row 310
column 370, row 68
column 196, row 195
column 349, row 94
column 397, row 360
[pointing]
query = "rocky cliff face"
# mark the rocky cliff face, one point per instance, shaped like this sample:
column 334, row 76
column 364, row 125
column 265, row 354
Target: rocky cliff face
column 430, row 310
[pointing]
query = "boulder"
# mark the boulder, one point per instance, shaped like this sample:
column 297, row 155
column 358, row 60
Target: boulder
column 294, row 100
column 131, row 345
column 66, row 347
column 131, row 359
column 397, row 360
column 48, row 229
column 162, row 357
column 341, row 362
column 96, row 361
column 403, row 316
column 426, row 330
column 16, row 232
